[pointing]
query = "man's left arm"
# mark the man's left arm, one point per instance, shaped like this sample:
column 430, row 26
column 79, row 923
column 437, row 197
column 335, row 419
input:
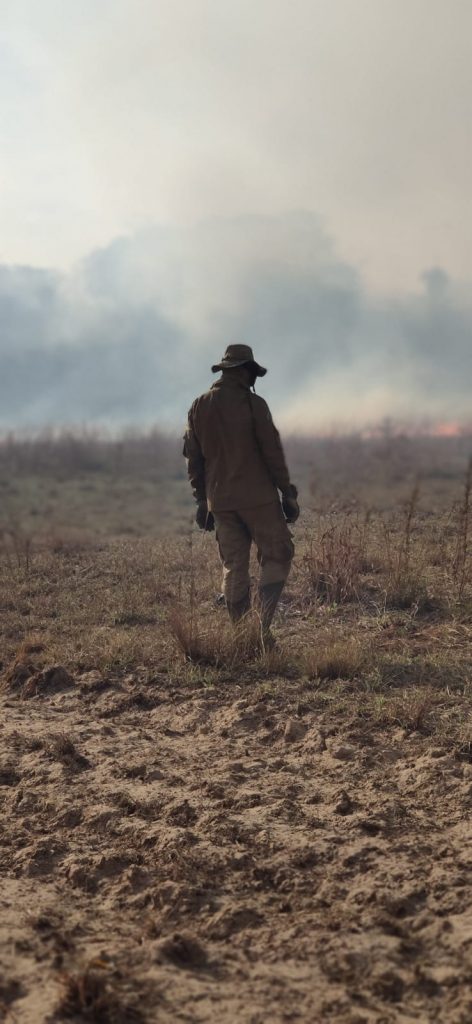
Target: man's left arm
column 272, row 452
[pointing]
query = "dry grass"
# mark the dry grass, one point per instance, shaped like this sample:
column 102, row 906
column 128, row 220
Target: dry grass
column 424, row 710
column 382, row 600
column 92, row 996
column 17, row 547
column 336, row 556
column 67, row 489
column 337, row 659
column 207, row 642
column 461, row 563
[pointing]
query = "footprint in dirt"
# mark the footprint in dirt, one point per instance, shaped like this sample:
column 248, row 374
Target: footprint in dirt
column 10, row 991
column 41, row 859
column 8, row 776
column 183, row 950
column 229, row 921
column 182, row 814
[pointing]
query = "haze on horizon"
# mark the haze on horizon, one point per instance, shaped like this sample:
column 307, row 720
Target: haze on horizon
column 178, row 175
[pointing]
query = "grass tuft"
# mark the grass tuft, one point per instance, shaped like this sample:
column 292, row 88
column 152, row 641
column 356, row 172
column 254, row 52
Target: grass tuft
column 91, row 996
column 215, row 643
column 336, row 659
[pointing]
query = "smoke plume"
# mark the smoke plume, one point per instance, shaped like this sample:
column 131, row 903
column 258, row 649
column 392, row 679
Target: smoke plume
column 130, row 334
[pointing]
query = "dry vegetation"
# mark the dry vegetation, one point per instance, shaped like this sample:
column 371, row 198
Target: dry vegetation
column 197, row 830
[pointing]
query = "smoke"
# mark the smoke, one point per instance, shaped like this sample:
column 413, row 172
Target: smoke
column 130, row 334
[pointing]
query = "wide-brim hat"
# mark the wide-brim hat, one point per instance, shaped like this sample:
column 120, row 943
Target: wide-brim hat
column 239, row 355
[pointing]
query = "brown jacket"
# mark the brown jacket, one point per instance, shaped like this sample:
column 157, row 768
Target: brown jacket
column 235, row 456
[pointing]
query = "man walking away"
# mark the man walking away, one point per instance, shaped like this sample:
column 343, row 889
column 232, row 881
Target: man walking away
column 236, row 466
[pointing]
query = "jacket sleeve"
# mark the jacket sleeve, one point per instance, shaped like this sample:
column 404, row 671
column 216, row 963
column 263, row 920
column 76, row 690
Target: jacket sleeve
column 195, row 460
column 268, row 439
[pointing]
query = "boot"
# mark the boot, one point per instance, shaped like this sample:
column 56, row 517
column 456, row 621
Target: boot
column 238, row 609
column 268, row 601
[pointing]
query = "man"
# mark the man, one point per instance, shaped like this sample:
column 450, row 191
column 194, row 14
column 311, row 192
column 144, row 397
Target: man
column 237, row 467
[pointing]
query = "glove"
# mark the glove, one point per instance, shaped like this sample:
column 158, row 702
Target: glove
column 203, row 518
column 290, row 506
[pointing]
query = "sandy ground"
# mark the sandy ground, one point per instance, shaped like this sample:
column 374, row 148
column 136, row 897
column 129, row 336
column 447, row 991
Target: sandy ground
column 227, row 854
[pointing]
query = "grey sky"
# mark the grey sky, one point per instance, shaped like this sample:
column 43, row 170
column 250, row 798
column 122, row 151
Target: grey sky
column 117, row 114
column 177, row 174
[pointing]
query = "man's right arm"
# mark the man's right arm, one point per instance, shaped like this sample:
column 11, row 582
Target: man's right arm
column 196, row 474
column 195, row 460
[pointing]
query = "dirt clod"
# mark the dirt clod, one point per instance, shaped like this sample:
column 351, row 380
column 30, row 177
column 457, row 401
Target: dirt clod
column 50, row 681
column 343, row 752
column 294, row 730
column 344, row 804
column 184, row 950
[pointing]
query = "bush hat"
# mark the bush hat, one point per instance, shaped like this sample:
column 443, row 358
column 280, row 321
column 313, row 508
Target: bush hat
column 239, row 355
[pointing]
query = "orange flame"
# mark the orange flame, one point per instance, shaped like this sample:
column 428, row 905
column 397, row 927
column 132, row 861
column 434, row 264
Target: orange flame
column 447, row 429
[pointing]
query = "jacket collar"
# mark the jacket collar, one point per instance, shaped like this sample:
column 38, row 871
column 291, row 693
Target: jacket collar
column 232, row 381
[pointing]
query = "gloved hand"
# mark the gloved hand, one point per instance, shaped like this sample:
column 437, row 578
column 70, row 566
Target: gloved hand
column 290, row 506
column 203, row 518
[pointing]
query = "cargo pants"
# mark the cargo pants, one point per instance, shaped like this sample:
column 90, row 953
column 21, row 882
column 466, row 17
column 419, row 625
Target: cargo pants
column 264, row 525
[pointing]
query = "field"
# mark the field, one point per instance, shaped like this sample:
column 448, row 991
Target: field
column 195, row 830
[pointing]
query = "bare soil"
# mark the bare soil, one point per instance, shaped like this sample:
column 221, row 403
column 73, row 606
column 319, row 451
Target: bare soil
column 240, row 852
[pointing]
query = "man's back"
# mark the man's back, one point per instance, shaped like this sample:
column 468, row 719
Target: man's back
column 243, row 457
